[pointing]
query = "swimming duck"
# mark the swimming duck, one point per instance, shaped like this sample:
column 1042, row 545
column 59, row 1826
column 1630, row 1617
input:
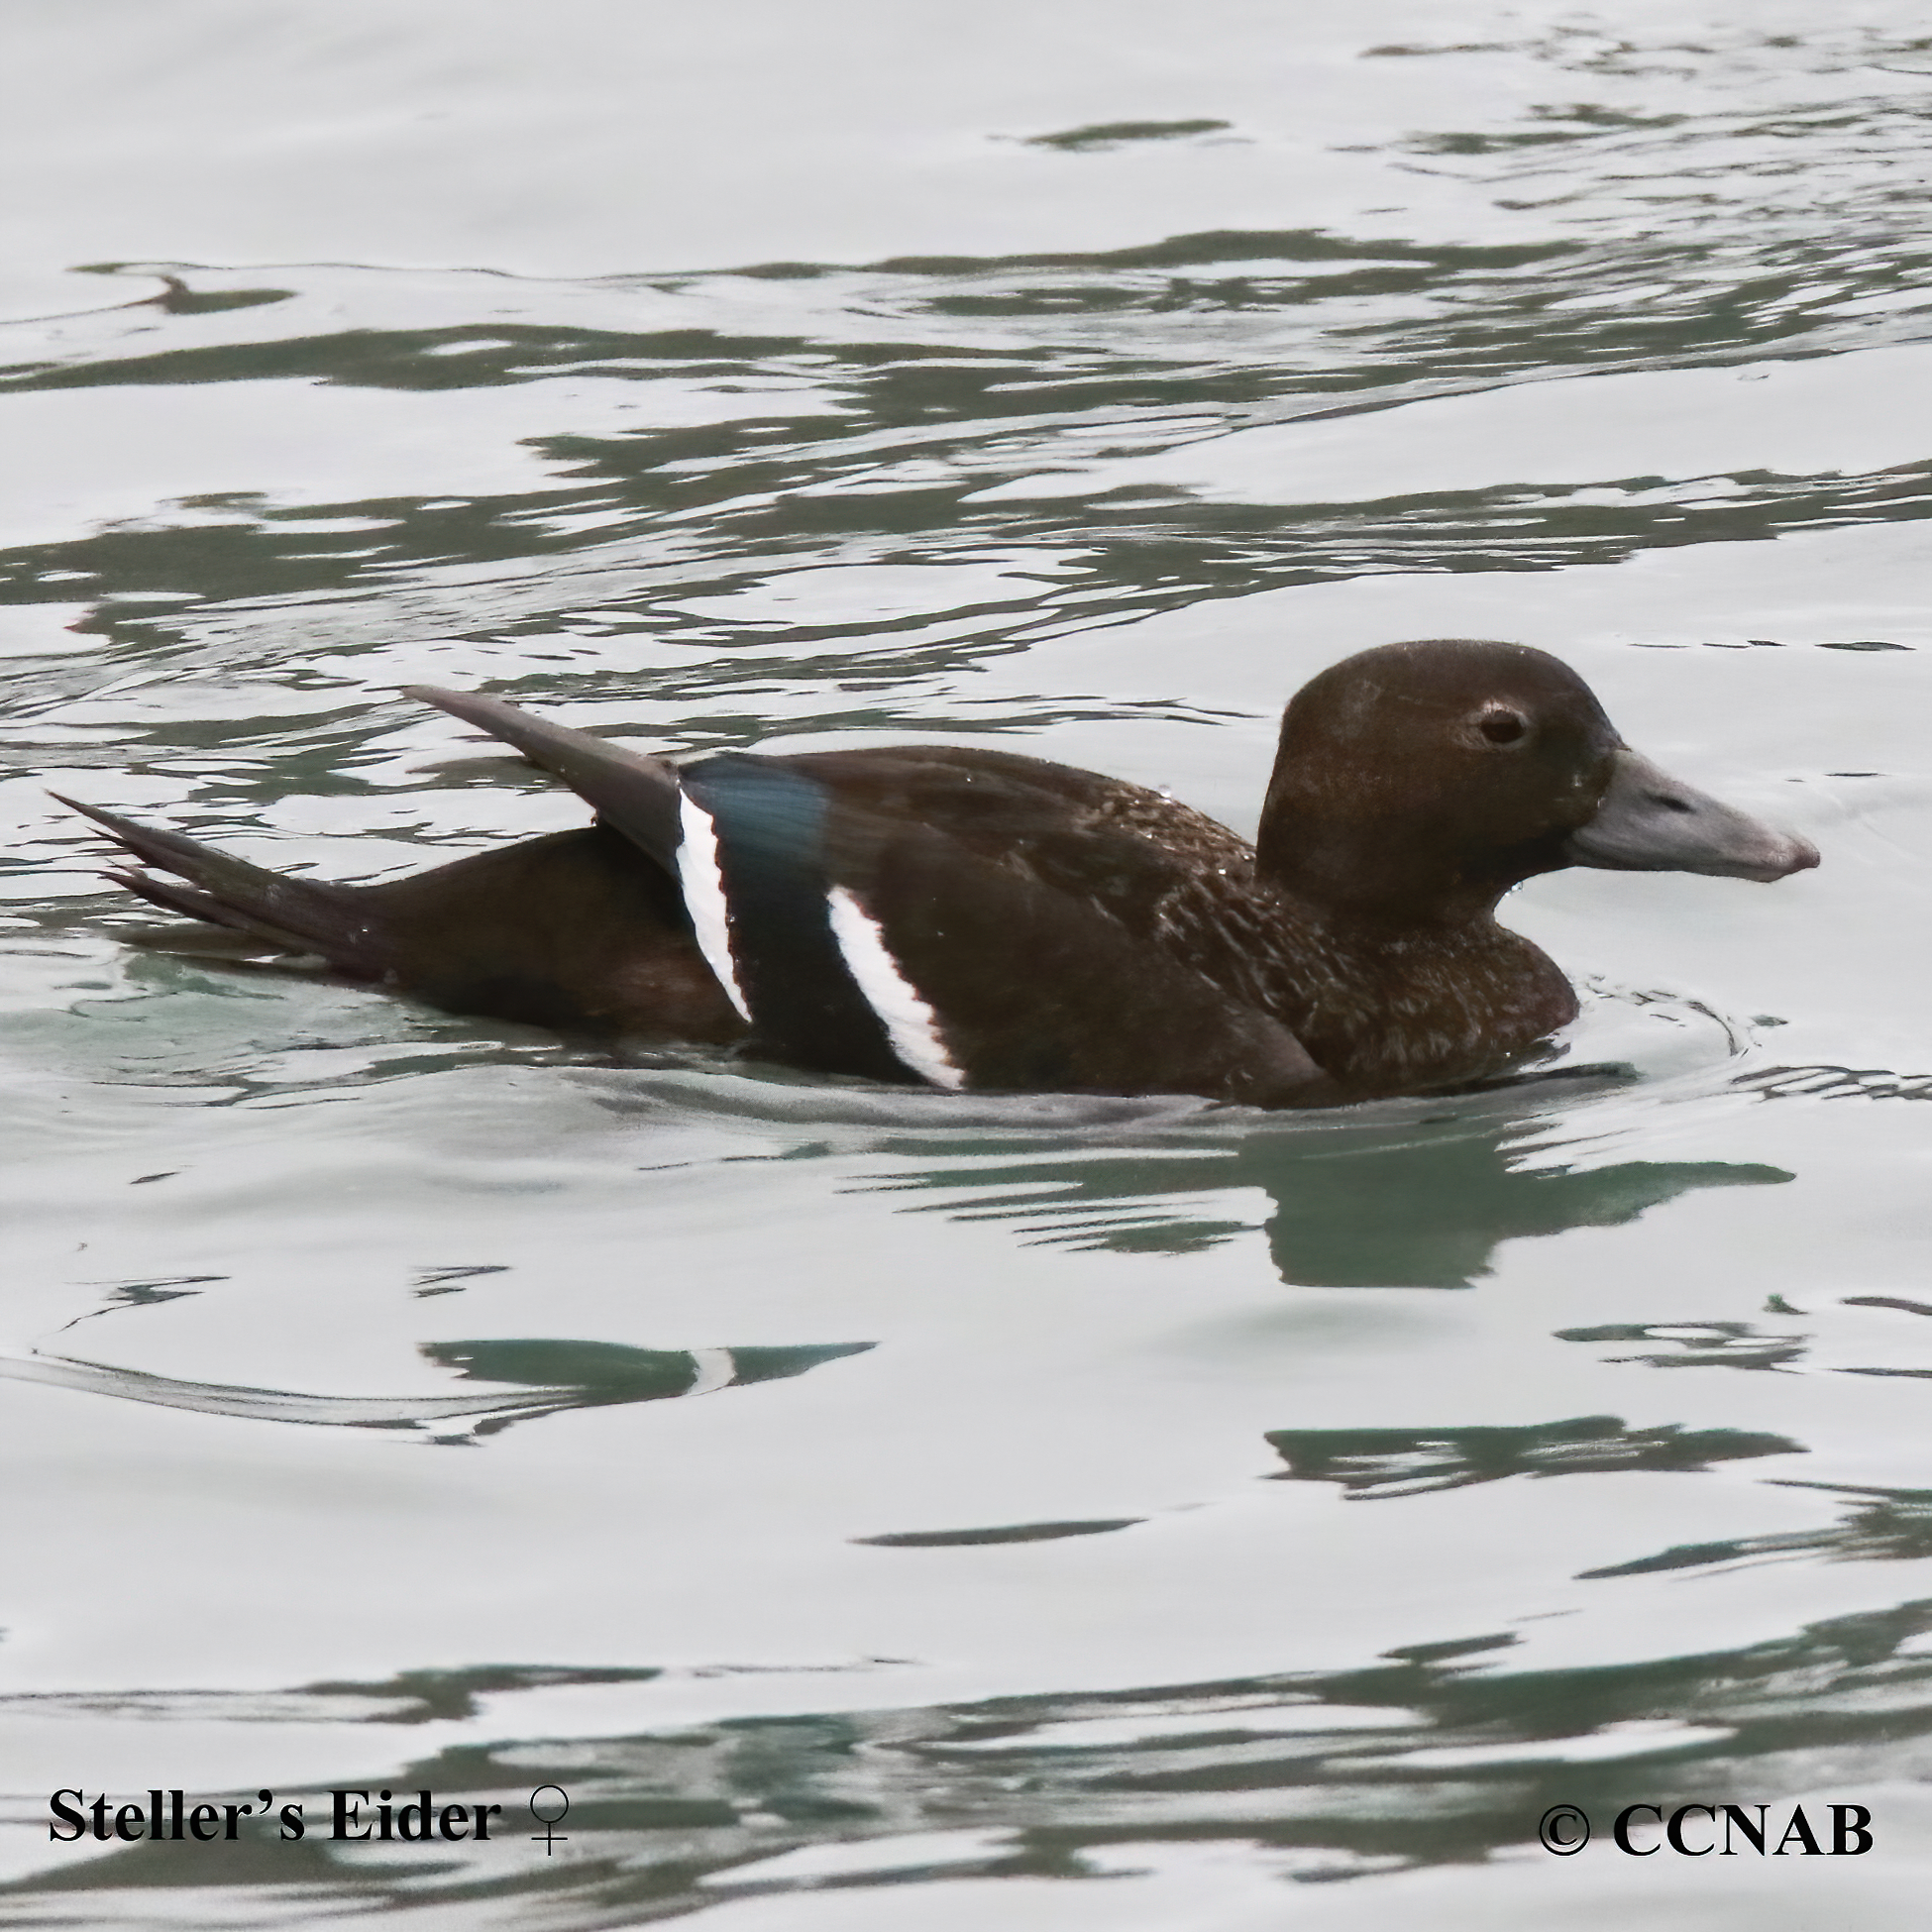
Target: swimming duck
column 977, row 918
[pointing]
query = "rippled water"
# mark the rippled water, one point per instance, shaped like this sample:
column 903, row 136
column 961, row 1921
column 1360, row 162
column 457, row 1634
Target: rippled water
column 876, row 1507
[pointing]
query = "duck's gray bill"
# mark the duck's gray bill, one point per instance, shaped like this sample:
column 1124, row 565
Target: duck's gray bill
column 1649, row 821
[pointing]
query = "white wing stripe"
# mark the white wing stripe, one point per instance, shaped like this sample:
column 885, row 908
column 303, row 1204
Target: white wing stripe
column 910, row 1024
column 703, row 881
column 711, row 1370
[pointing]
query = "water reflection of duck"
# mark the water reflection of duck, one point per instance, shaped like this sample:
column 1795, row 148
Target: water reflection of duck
column 977, row 918
column 1404, row 1204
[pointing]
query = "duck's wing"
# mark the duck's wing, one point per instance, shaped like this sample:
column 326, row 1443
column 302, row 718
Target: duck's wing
column 958, row 918
column 1127, row 847
column 969, row 926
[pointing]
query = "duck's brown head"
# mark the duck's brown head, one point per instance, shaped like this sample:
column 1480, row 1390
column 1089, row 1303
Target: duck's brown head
column 1416, row 783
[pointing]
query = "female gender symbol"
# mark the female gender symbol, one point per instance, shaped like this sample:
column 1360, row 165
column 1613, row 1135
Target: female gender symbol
column 547, row 1820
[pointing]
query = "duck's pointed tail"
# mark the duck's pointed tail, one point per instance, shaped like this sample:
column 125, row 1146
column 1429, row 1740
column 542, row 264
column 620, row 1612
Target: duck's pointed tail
column 637, row 794
column 293, row 914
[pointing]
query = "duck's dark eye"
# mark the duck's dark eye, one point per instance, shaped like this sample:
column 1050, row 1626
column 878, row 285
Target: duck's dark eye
column 1502, row 728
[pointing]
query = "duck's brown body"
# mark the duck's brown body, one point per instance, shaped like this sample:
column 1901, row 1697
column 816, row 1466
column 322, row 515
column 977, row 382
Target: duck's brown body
column 978, row 918
column 576, row 931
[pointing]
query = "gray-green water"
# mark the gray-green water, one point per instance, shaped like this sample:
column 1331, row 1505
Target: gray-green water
column 877, row 1509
